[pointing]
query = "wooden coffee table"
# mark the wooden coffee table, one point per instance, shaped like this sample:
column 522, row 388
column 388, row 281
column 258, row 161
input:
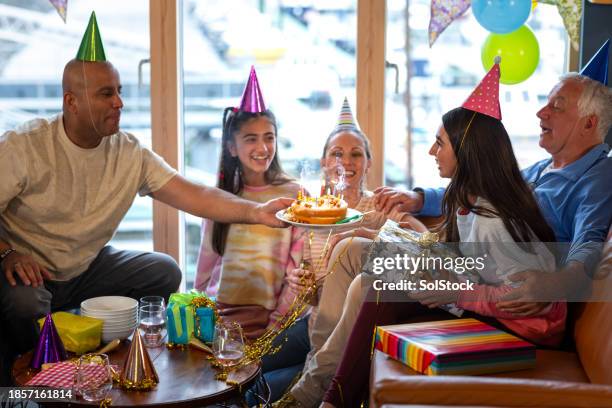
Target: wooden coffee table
column 186, row 379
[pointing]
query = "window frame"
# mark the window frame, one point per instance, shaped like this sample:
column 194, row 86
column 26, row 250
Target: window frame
column 166, row 132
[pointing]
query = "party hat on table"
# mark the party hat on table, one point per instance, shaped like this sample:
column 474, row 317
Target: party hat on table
column 597, row 67
column 91, row 48
column 50, row 348
column 138, row 370
column 346, row 121
column 252, row 99
column 485, row 98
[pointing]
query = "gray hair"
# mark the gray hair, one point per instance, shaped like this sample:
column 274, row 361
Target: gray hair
column 595, row 99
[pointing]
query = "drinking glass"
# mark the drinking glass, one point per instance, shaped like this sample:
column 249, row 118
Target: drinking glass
column 152, row 301
column 228, row 344
column 93, row 378
column 152, row 322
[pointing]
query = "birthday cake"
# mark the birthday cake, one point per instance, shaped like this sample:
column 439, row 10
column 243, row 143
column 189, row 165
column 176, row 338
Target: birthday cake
column 327, row 209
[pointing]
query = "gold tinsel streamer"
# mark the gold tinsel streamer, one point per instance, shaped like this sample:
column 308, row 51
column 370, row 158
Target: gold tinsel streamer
column 106, row 402
column 426, row 240
column 341, row 394
column 143, row 385
column 203, row 301
column 287, row 401
column 263, row 345
column 174, row 346
column 234, row 383
column 373, row 343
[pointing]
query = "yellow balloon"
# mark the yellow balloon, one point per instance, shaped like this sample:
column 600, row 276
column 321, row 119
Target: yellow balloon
column 519, row 52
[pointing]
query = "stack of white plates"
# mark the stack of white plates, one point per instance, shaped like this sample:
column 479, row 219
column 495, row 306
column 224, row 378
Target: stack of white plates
column 119, row 313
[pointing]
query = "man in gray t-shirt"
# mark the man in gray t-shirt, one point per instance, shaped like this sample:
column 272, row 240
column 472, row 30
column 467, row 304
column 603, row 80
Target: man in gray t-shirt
column 66, row 185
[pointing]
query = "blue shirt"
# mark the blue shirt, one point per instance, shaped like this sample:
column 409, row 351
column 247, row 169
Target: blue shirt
column 576, row 200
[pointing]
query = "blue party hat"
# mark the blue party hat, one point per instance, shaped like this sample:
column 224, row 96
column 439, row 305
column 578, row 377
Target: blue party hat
column 597, row 67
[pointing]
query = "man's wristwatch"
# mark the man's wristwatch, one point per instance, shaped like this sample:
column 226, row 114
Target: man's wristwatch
column 5, row 253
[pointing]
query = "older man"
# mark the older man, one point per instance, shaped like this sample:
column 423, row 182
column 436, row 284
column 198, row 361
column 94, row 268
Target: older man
column 66, row 184
column 573, row 191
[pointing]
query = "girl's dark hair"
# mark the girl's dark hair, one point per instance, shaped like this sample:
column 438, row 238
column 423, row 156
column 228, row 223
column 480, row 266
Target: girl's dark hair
column 353, row 130
column 487, row 168
column 233, row 120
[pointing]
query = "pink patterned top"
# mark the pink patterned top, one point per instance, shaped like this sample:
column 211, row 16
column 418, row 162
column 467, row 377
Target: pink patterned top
column 248, row 281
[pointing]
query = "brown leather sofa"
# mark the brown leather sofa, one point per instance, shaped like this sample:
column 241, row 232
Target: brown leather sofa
column 560, row 378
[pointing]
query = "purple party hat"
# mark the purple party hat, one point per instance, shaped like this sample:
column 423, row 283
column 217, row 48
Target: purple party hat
column 597, row 67
column 50, row 348
column 252, row 99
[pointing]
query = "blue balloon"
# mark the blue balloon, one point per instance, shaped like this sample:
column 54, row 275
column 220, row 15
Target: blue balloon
column 501, row 16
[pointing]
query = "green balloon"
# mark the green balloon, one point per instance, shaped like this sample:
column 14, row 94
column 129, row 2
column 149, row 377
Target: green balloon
column 519, row 52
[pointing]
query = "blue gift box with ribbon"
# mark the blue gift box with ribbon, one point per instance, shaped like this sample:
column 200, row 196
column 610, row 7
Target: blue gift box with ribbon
column 186, row 317
column 205, row 324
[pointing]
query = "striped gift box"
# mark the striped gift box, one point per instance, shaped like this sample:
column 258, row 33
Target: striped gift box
column 454, row 347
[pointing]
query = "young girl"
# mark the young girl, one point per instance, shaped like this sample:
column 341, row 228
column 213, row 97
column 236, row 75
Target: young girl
column 244, row 266
column 487, row 201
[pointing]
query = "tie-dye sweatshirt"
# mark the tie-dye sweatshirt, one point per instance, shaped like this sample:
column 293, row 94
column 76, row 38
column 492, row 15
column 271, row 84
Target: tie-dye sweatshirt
column 249, row 279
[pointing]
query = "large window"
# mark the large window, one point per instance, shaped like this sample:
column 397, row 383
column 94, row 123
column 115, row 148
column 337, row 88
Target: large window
column 35, row 44
column 304, row 54
column 443, row 76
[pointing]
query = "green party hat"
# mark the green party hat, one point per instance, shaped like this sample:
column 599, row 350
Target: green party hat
column 91, row 48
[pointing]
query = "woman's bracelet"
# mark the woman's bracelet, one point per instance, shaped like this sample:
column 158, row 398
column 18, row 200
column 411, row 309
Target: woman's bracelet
column 5, row 254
